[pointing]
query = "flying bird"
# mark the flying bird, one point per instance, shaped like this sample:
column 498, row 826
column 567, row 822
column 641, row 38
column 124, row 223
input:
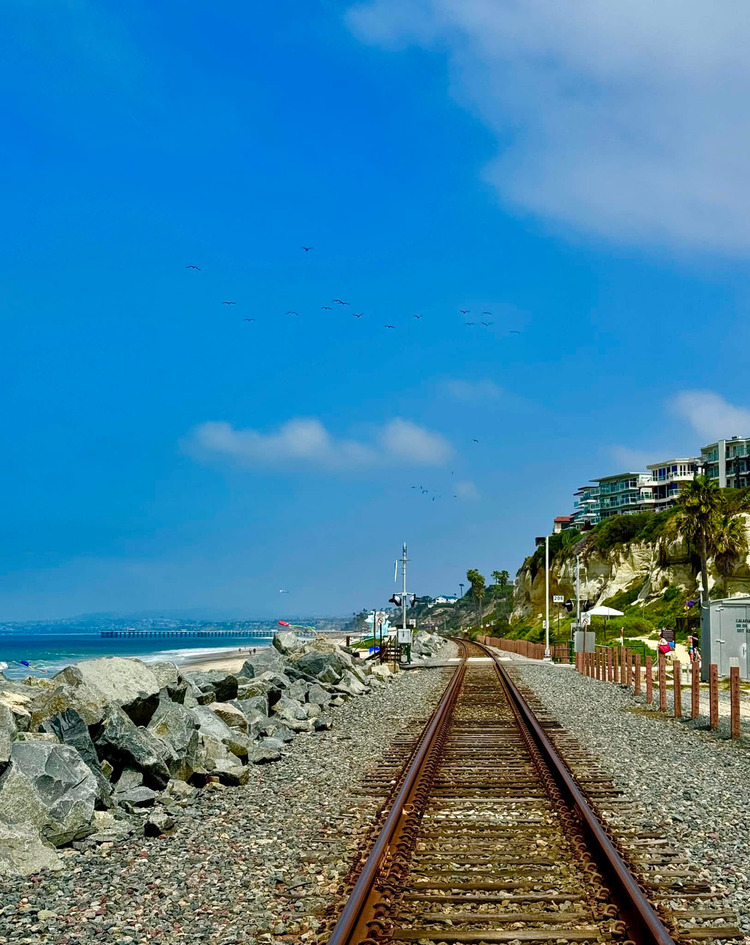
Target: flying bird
column 487, row 324
column 476, row 441
column 227, row 302
column 486, row 313
column 358, row 314
column 194, row 267
column 469, row 323
column 306, row 248
column 326, row 307
column 514, row 332
column 419, row 316
column 389, row 326
column 464, row 311
column 292, row 313
column 340, row 301
column 249, row 319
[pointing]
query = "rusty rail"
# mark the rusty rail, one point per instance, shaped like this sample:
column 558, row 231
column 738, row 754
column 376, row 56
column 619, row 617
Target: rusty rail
column 644, row 924
column 354, row 916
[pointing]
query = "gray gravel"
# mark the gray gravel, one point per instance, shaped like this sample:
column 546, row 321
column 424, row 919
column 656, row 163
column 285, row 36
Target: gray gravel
column 245, row 864
column 690, row 784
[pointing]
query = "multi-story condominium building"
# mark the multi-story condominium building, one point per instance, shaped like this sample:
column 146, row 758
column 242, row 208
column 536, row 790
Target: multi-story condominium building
column 667, row 478
column 728, row 461
column 625, row 493
column 586, row 507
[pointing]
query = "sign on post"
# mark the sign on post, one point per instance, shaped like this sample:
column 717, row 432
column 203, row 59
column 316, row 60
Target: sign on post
column 558, row 599
column 585, row 620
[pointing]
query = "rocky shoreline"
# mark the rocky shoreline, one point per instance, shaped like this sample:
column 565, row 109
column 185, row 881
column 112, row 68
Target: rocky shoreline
column 115, row 748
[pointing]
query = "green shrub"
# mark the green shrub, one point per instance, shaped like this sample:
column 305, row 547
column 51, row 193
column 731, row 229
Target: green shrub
column 632, row 625
column 626, row 596
column 671, row 593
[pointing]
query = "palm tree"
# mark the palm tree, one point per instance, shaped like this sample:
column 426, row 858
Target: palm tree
column 729, row 543
column 699, row 508
column 496, row 577
column 708, row 524
column 504, row 578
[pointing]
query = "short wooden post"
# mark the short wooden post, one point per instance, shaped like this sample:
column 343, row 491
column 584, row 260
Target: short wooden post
column 677, row 678
column 713, row 696
column 734, row 701
column 615, row 660
column 637, row 684
column 662, row 683
column 695, row 689
column 610, row 671
column 628, row 668
column 649, row 680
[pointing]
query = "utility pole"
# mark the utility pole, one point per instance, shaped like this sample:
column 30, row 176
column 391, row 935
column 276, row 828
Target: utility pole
column 403, row 597
column 462, row 588
column 546, row 597
column 578, row 591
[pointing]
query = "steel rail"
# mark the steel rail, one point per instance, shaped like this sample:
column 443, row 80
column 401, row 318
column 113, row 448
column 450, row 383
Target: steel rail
column 352, row 914
column 643, row 922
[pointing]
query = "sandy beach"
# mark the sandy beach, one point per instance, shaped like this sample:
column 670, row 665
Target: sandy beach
column 230, row 659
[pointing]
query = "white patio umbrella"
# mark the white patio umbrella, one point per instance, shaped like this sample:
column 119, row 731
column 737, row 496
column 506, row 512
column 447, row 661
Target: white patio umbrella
column 605, row 612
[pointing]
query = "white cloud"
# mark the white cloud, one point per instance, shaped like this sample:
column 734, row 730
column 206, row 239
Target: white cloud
column 468, row 391
column 630, row 460
column 626, row 118
column 467, row 490
column 710, row 415
column 305, row 441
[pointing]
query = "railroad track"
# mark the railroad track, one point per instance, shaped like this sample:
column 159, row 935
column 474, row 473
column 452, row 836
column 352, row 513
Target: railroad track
column 488, row 836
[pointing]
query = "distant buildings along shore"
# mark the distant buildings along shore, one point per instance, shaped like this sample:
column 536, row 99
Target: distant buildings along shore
column 657, row 487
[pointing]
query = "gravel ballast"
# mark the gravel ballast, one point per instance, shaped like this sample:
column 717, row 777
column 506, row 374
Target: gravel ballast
column 257, row 863
column 691, row 785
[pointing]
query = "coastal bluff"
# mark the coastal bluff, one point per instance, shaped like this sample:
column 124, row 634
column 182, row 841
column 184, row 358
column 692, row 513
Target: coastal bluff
column 112, row 748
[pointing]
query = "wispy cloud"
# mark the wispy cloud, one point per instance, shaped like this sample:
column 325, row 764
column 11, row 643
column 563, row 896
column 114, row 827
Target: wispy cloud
column 305, row 442
column 472, row 391
column 466, row 490
column 626, row 118
column 630, row 460
column 710, row 415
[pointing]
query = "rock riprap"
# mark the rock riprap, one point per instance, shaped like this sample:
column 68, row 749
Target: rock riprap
column 112, row 747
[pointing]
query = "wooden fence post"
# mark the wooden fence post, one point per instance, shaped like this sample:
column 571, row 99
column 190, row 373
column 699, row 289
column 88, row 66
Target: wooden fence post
column 713, row 695
column 637, row 684
column 662, row 683
column 734, row 701
column 615, row 664
column 628, row 668
column 649, row 680
column 695, row 689
column 677, row 678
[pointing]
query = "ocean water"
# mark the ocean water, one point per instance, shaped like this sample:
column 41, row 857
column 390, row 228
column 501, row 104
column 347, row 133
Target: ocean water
column 49, row 650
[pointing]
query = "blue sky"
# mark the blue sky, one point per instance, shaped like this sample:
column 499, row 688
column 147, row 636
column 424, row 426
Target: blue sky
column 159, row 452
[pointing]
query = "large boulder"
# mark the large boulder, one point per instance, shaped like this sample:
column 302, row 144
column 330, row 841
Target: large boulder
column 229, row 714
column 7, row 731
column 51, row 788
column 266, row 660
column 221, row 684
column 18, row 701
column 22, row 852
column 257, row 699
column 170, row 679
column 177, row 727
column 92, row 685
column 267, row 749
column 292, row 714
column 270, row 685
column 317, row 695
column 124, row 744
column 213, row 727
column 287, row 642
column 324, row 666
column 70, row 729
column 221, row 763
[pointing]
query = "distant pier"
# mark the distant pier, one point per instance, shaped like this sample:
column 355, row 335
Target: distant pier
column 255, row 634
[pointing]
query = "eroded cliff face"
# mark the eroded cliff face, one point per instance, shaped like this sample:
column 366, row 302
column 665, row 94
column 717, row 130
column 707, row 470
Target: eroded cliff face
column 649, row 566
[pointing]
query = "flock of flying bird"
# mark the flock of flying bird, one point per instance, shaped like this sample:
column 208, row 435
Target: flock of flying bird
column 328, row 308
